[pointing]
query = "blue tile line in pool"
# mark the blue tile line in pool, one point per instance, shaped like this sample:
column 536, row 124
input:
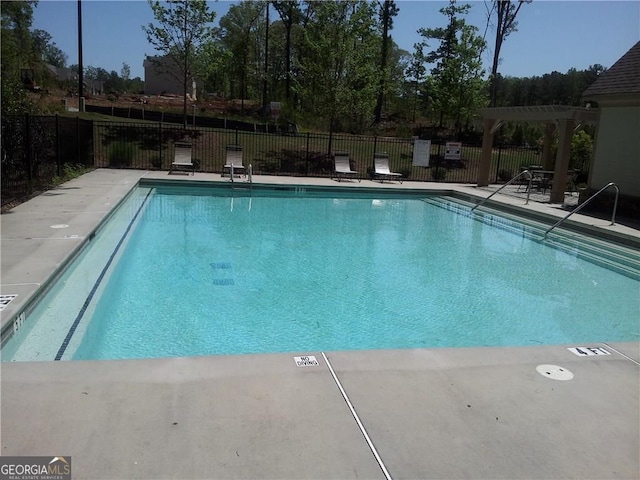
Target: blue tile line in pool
column 222, row 266
column 76, row 322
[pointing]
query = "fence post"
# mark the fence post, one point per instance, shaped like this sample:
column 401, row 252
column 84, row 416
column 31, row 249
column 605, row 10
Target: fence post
column 160, row 143
column 58, row 162
column 307, row 156
column 27, row 148
column 77, row 140
column 498, row 165
column 438, row 160
column 375, row 149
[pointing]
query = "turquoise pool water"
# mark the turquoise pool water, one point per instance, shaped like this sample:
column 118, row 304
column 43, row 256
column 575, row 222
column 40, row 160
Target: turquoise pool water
column 292, row 272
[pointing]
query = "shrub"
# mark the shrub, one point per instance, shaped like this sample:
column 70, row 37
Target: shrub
column 121, row 154
column 69, row 172
column 73, row 170
column 406, row 172
column 438, row 174
column 581, row 150
column 504, row 175
column 156, row 163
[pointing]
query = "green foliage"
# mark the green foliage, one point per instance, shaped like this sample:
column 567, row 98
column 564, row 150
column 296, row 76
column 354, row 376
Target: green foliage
column 241, row 34
column 339, row 78
column 182, row 31
column 156, row 162
column 69, row 172
column 553, row 88
column 121, row 154
column 505, row 175
column 455, row 89
column 438, row 174
column 406, row 172
column 48, row 50
column 581, row 151
column 14, row 98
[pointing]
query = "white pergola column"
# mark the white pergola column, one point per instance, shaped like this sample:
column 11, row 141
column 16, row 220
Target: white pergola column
column 490, row 127
column 565, row 133
column 547, row 159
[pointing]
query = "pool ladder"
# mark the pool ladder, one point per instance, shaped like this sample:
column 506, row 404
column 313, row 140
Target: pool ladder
column 250, row 180
column 506, row 185
column 581, row 206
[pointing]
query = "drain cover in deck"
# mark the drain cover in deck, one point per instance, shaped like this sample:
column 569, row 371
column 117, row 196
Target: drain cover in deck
column 554, row 372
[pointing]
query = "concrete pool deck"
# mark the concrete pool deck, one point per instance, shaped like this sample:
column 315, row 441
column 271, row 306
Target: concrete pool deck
column 432, row 413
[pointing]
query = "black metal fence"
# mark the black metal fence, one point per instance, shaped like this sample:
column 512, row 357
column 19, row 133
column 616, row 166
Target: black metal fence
column 150, row 146
column 35, row 149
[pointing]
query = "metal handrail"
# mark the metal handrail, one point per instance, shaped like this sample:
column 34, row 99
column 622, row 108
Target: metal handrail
column 509, row 183
column 613, row 215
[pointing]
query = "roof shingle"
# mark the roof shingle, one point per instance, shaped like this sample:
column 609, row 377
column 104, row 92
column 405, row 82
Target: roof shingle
column 622, row 78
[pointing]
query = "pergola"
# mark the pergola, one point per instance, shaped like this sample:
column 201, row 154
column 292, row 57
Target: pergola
column 564, row 118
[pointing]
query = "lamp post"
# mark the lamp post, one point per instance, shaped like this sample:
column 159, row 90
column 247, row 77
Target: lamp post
column 80, row 66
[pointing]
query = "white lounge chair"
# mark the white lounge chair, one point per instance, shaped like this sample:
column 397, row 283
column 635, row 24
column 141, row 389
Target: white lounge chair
column 234, row 157
column 343, row 166
column 182, row 158
column 381, row 163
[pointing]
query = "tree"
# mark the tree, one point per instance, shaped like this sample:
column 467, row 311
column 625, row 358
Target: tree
column 505, row 12
column 289, row 11
column 338, row 76
column 388, row 11
column 240, row 33
column 16, row 54
column 47, row 50
column 416, row 72
column 455, row 86
column 182, row 30
column 125, row 73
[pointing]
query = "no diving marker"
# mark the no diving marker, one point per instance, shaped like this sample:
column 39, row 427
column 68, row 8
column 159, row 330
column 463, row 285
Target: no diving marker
column 308, row 361
column 588, row 351
column 6, row 300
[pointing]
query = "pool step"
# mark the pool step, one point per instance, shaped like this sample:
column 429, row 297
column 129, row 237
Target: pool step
column 617, row 257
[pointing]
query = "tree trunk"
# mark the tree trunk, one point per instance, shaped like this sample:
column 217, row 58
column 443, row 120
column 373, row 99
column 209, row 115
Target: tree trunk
column 493, row 85
column 383, row 61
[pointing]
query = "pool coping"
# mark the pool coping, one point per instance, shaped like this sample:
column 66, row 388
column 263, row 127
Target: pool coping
column 438, row 413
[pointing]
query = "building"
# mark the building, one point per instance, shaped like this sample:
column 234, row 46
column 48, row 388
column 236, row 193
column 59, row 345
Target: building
column 163, row 76
column 617, row 140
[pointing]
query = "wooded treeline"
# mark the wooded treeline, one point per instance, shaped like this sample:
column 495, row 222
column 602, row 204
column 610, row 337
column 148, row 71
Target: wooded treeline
column 332, row 66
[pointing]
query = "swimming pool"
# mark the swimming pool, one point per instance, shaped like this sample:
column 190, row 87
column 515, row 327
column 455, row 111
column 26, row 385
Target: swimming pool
column 203, row 271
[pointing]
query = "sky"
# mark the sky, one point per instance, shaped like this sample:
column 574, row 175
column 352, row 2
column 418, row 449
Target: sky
column 553, row 35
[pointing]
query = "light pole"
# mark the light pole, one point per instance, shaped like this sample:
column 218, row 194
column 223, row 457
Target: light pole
column 80, row 67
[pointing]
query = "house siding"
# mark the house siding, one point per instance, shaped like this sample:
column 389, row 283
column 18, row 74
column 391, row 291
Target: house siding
column 617, row 152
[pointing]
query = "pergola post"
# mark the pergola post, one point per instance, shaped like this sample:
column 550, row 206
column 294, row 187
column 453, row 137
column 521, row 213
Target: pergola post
column 487, row 147
column 565, row 134
column 547, row 159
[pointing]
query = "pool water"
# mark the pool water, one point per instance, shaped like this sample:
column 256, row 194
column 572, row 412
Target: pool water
column 203, row 275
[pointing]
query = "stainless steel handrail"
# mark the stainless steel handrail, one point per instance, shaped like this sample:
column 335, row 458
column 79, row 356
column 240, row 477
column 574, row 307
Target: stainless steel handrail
column 509, row 183
column 581, row 206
